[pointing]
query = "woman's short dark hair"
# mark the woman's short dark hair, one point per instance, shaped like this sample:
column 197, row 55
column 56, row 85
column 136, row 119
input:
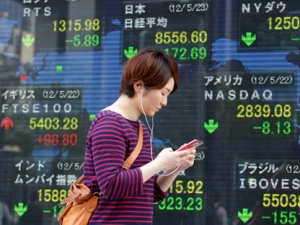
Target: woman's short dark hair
column 152, row 66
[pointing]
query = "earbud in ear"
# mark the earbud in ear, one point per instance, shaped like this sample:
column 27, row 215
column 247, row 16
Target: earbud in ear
column 140, row 86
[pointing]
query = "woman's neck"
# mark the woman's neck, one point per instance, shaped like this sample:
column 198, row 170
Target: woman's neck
column 126, row 106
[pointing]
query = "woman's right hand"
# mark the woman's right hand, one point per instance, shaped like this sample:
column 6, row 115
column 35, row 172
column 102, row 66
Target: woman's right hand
column 167, row 160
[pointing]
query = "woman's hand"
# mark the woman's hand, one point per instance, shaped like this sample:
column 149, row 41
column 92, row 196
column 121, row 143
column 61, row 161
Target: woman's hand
column 168, row 159
column 188, row 156
column 174, row 162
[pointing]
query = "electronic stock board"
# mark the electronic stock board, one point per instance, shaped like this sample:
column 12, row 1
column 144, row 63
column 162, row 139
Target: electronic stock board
column 61, row 62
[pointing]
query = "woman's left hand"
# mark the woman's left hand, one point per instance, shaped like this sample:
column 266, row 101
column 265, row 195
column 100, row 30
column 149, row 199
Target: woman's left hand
column 188, row 156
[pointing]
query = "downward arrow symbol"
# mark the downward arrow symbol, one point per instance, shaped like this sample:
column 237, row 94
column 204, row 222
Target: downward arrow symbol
column 130, row 52
column 245, row 215
column 28, row 40
column 248, row 39
column 211, row 126
column 20, row 209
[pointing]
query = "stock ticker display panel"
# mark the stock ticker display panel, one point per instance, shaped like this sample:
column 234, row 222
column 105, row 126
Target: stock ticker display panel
column 61, row 62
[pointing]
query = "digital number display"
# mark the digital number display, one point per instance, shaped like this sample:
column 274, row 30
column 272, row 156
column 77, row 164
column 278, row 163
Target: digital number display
column 181, row 203
column 159, row 27
column 177, row 37
column 265, row 111
column 60, row 124
column 73, row 31
column 52, row 195
column 49, row 183
column 284, row 217
column 53, row 123
column 284, row 23
column 185, row 195
column 76, row 25
column 282, row 200
column 189, row 187
column 275, row 186
column 277, row 128
column 194, row 53
column 276, row 25
column 273, row 126
column 238, row 92
column 57, row 140
column 253, row 103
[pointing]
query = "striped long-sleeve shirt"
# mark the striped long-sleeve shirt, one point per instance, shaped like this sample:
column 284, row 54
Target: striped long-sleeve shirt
column 126, row 199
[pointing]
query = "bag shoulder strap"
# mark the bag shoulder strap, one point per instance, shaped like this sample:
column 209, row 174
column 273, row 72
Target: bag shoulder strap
column 129, row 161
column 126, row 166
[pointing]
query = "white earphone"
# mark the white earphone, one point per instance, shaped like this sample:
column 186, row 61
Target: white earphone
column 150, row 128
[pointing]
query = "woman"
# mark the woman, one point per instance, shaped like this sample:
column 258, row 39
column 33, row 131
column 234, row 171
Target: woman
column 128, row 195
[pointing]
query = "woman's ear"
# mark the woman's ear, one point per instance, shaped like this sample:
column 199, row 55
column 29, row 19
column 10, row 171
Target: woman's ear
column 138, row 86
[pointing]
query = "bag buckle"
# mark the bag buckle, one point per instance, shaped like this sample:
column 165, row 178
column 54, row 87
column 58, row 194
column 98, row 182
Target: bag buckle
column 98, row 194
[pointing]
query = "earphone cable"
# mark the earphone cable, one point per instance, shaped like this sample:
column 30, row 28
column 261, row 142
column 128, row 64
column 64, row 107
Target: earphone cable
column 151, row 136
column 150, row 128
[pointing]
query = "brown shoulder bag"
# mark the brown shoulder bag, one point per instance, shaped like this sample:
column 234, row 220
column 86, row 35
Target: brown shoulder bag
column 81, row 203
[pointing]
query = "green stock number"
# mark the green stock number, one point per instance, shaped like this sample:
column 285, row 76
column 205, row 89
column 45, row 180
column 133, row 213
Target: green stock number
column 178, row 203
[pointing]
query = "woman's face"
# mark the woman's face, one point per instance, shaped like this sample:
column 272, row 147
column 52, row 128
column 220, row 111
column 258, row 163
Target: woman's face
column 154, row 99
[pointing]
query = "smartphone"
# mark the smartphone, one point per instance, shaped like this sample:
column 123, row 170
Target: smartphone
column 194, row 143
